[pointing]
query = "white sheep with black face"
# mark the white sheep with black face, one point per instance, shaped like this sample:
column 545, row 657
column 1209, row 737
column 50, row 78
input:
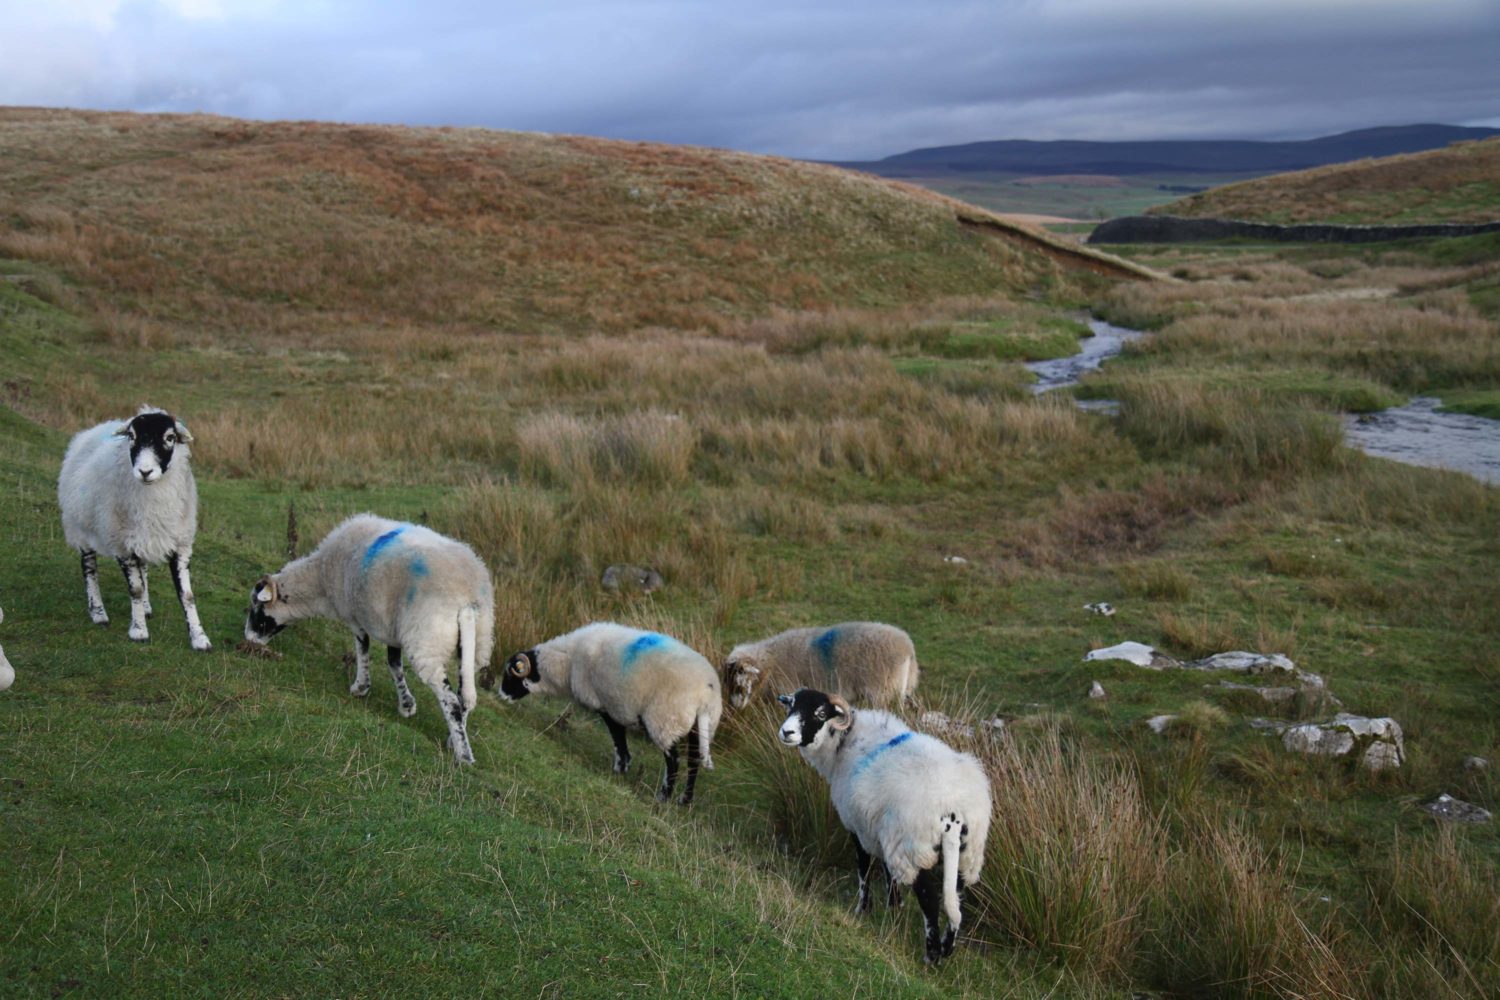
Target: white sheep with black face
column 867, row 662
column 420, row 593
column 127, row 491
column 631, row 678
column 7, row 672
column 909, row 799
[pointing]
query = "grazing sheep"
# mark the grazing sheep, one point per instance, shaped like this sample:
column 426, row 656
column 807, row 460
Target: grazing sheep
column 863, row 661
column 404, row 585
column 7, row 672
column 908, row 798
column 127, row 490
column 630, row 677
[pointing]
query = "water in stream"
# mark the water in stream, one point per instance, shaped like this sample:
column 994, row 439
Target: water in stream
column 1415, row 434
column 1419, row 435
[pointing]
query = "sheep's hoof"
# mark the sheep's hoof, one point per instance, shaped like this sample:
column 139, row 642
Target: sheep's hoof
column 621, row 766
column 139, row 635
column 99, row 619
column 406, row 709
column 148, row 611
column 662, row 794
column 684, row 800
column 464, row 756
column 201, row 643
column 359, row 690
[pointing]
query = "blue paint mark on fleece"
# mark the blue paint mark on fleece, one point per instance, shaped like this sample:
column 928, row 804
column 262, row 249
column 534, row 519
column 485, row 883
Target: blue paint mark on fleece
column 646, row 643
column 824, row 645
column 379, row 545
column 869, row 758
column 417, row 569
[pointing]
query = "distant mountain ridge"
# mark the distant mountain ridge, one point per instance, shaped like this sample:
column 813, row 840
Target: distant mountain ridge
column 1030, row 157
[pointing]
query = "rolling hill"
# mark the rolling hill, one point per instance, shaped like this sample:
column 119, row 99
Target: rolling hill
column 194, row 221
column 1460, row 183
column 1095, row 180
column 1021, row 156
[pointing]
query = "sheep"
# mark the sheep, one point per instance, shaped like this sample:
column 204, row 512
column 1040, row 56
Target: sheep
column 406, row 586
column 863, row 661
column 7, row 672
column 908, row 798
column 629, row 677
column 127, row 490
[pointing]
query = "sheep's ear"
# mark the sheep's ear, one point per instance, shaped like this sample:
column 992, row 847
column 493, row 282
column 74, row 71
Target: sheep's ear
column 785, row 699
column 182, row 433
column 746, row 668
column 265, row 590
column 123, row 432
column 843, row 715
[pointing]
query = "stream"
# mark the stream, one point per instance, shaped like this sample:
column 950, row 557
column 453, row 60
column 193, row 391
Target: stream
column 1415, row 434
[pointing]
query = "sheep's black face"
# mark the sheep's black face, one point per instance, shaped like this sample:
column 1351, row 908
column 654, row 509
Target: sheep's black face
column 261, row 620
column 811, row 716
column 520, row 673
column 154, row 438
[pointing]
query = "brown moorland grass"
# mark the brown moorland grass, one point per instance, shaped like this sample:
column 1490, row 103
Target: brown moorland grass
column 1460, row 183
column 170, row 224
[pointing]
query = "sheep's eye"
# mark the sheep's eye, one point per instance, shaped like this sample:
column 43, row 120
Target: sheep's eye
column 171, row 439
column 822, row 712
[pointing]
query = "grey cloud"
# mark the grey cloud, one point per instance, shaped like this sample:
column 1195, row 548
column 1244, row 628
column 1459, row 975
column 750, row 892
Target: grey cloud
column 836, row 80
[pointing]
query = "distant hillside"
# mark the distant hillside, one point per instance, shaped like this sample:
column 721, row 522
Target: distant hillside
column 1458, row 184
column 1025, row 157
column 205, row 221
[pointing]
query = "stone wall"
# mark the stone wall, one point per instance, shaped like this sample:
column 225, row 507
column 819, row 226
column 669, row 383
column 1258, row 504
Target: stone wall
column 1172, row 229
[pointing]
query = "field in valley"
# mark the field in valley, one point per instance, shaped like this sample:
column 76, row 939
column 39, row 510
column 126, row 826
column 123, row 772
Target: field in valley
column 795, row 419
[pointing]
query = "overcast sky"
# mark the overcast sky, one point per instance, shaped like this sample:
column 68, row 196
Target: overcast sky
column 853, row 79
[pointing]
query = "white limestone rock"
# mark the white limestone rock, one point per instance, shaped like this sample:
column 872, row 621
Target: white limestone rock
column 1158, row 723
column 1379, row 741
column 1138, row 653
column 1096, row 691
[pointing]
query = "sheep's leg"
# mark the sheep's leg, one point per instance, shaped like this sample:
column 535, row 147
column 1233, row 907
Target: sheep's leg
column 145, row 588
column 622, row 750
column 694, row 759
column 182, row 582
column 361, row 685
column 892, row 888
column 97, row 614
column 863, row 860
column 454, row 714
column 951, row 937
column 406, row 704
column 134, row 579
column 928, row 889
column 669, row 778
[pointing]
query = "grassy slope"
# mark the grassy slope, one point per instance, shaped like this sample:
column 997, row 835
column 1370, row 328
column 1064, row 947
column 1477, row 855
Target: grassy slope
column 1458, row 184
column 212, row 825
column 831, row 461
column 193, row 221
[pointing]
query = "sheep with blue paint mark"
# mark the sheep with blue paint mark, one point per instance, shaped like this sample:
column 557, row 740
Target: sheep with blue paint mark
column 420, row 593
column 868, row 662
column 631, row 678
column 909, row 799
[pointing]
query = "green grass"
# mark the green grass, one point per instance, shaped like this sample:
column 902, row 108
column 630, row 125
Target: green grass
column 212, row 824
column 1476, row 402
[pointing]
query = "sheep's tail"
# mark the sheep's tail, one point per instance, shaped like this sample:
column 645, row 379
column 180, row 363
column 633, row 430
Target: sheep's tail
column 708, row 721
column 466, row 655
column 952, row 841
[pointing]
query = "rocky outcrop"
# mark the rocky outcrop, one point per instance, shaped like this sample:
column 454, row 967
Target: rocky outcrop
column 628, row 578
column 1175, row 229
column 1378, row 743
column 1446, row 807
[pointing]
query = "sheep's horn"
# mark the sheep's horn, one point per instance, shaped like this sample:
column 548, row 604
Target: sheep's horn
column 845, row 712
